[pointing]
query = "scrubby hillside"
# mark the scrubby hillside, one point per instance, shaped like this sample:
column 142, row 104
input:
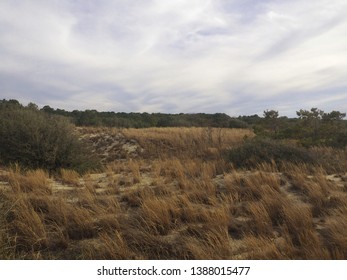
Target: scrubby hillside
column 176, row 193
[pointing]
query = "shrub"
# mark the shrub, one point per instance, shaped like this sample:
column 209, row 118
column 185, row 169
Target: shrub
column 35, row 139
column 259, row 150
column 235, row 123
column 338, row 139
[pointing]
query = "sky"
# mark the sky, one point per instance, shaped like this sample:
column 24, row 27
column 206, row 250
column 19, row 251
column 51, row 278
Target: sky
column 238, row 57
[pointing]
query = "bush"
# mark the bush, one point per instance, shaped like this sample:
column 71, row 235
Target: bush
column 35, row 139
column 259, row 150
column 235, row 123
column 338, row 139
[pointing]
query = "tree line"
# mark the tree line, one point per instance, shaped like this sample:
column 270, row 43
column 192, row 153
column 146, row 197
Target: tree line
column 312, row 127
column 309, row 128
column 133, row 120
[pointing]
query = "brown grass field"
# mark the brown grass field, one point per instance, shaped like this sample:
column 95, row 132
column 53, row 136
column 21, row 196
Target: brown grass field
column 170, row 193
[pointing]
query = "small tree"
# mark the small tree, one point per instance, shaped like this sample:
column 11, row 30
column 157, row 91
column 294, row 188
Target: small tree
column 270, row 114
column 311, row 121
column 271, row 120
column 33, row 106
column 333, row 116
column 313, row 114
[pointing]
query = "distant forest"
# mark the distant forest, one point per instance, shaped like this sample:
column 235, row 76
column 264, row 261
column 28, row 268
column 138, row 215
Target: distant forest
column 311, row 127
column 135, row 120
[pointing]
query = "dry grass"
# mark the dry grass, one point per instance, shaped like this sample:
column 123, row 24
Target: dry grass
column 174, row 142
column 70, row 177
column 34, row 181
column 25, row 227
column 135, row 170
column 159, row 215
column 177, row 199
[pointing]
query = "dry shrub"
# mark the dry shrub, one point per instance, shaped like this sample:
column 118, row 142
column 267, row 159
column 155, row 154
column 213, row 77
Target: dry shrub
column 208, row 171
column 25, row 226
column 174, row 169
column 194, row 214
column 239, row 227
column 268, row 167
column 74, row 222
column 247, row 186
column 331, row 159
column 336, row 200
column 87, row 198
column 298, row 221
column 232, row 182
column 208, row 242
column 197, row 168
column 58, row 209
column 191, row 213
column 135, row 196
column 160, row 189
column 40, row 203
column 149, row 246
column 304, row 245
column 297, row 217
column 115, row 167
column 80, row 224
column 261, row 221
column 250, row 189
column 269, row 179
column 135, row 171
column 317, row 196
column 274, row 206
column 335, row 235
column 219, row 216
column 315, row 189
column 159, row 215
column 264, row 248
column 7, row 251
column 107, row 223
column 35, row 181
column 109, row 246
column 182, row 142
column 58, row 239
column 156, row 168
column 202, row 192
column 70, row 177
column 106, row 204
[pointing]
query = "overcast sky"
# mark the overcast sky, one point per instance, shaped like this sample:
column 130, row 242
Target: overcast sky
column 173, row 56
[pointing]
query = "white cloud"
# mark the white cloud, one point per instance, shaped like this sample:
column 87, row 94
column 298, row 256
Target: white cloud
column 182, row 56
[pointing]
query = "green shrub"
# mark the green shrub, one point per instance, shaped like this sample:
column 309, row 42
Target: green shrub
column 235, row 123
column 258, row 150
column 35, row 139
column 338, row 139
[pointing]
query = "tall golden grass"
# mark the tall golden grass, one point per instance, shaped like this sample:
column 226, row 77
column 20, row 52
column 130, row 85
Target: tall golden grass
column 178, row 199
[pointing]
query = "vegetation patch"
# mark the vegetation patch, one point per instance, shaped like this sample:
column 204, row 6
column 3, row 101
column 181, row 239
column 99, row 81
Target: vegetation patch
column 172, row 193
column 35, row 139
column 259, row 150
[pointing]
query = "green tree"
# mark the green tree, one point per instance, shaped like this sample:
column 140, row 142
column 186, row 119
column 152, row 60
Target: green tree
column 32, row 106
column 310, row 124
column 271, row 121
column 47, row 109
column 270, row 114
column 313, row 114
column 333, row 116
column 12, row 103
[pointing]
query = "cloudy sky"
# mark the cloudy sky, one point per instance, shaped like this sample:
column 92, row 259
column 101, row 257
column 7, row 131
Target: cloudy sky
column 172, row 56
